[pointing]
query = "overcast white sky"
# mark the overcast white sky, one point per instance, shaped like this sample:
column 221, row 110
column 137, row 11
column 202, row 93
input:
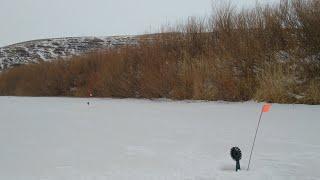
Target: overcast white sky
column 23, row 20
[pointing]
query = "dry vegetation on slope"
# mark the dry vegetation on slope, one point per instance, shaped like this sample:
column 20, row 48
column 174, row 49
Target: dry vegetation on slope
column 269, row 53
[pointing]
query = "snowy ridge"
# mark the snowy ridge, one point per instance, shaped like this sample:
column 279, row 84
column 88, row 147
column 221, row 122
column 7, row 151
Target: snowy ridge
column 48, row 49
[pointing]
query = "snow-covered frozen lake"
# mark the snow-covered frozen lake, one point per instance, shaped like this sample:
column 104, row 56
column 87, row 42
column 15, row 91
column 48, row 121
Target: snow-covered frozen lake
column 65, row 139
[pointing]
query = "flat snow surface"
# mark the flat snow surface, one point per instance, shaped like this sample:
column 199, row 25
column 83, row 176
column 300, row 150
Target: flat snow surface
column 65, row 139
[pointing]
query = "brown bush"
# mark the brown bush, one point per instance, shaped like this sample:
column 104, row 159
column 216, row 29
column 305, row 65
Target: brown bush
column 276, row 85
column 268, row 53
column 312, row 95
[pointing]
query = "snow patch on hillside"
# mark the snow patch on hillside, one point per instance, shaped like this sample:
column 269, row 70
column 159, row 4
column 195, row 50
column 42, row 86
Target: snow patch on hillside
column 48, row 49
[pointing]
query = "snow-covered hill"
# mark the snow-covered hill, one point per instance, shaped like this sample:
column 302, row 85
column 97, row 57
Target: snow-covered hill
column 65, row 139
column 48, row 49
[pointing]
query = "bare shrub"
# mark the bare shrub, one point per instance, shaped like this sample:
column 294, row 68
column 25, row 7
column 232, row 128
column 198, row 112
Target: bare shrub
column 312, row 94
column 267, row 53
column 276, row 85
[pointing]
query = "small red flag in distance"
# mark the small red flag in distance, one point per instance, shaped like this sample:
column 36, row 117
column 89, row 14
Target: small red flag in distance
column 90, row 93
column 266, row 108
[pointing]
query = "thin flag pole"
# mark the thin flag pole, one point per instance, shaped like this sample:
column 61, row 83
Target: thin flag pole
column 254, row 140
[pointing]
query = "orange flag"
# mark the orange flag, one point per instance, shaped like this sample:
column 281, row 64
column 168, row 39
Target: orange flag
column 266, row 108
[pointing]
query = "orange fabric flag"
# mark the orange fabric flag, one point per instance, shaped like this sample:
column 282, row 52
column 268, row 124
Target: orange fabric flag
column 266, row 108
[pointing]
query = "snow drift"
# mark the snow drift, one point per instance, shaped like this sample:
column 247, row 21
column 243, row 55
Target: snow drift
column 64, row 138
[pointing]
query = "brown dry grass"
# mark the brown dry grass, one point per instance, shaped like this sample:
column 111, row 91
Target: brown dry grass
column 269, row 53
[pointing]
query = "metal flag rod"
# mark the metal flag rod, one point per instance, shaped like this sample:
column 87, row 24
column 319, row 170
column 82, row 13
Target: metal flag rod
column 254, row 140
